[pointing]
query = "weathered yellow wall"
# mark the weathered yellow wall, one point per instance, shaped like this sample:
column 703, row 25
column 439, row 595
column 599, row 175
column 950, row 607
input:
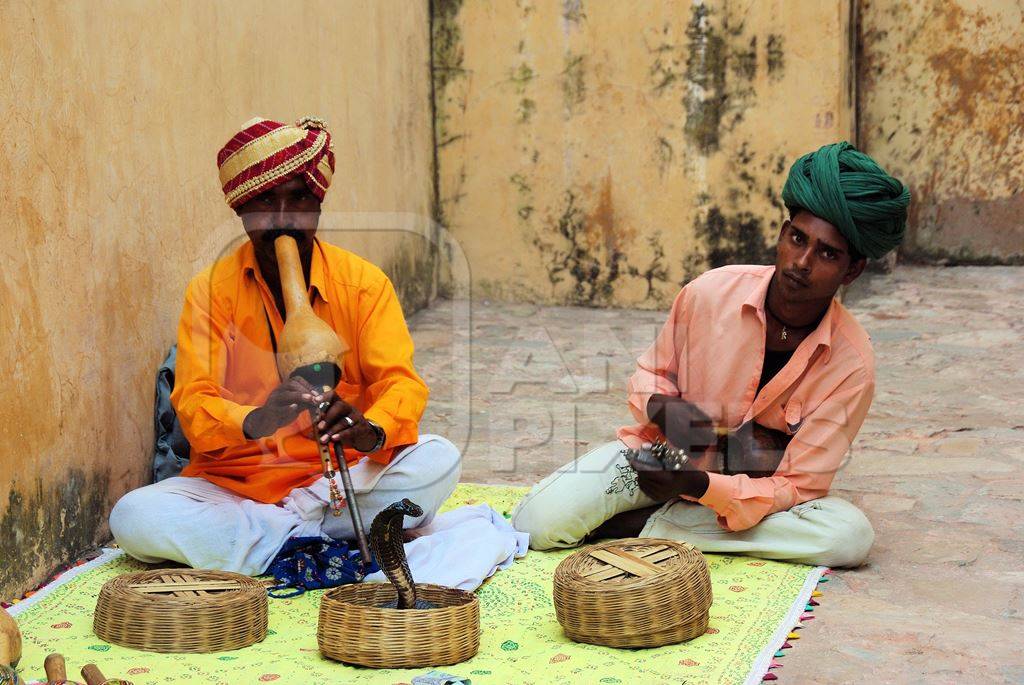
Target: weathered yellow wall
column 112, row 115
column 942, row 105
column 601, row 153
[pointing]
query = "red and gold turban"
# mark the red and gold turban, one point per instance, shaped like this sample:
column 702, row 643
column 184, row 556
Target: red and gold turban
column 266, row 153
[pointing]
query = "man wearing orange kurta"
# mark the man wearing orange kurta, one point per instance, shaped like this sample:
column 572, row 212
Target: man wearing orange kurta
column 255, row 476
column 763, row 378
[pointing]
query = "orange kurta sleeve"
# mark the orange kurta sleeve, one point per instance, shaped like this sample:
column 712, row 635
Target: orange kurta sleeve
column 209, row 416
column 395, row 394
column 810, row 463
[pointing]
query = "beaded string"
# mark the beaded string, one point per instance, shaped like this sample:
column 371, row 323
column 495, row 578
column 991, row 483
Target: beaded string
column 337, row 501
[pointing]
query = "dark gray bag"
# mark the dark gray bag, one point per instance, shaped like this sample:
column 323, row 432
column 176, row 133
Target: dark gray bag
column 171, row 449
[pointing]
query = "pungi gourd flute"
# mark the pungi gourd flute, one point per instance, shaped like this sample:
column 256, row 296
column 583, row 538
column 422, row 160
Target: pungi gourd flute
column 310, row 349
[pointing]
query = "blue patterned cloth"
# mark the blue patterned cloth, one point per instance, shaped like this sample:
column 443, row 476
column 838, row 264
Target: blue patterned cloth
column 440, row 678
column 314, row 563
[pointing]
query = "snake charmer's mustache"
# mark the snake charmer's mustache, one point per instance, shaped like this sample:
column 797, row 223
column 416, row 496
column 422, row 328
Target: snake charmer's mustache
column 272, row 234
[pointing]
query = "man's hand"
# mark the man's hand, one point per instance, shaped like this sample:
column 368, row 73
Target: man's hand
column 683, row 424
column 345, row 425
column 752, row 449
column 662, row 485
column 283, row 406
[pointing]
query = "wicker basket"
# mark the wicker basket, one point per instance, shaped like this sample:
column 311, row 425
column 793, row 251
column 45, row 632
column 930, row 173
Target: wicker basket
column 356, row 630
column 182, row 611
column 636, row 592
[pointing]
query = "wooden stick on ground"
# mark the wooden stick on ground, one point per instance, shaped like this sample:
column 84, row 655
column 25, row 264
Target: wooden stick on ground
column 93, row 675
column 55, row 668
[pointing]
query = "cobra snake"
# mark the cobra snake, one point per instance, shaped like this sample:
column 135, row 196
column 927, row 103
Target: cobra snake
column 387, row 543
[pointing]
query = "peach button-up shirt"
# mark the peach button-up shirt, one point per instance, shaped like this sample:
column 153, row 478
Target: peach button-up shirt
column 710, row 352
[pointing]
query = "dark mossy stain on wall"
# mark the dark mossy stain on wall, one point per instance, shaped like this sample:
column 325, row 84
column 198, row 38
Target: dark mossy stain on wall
column 413, row 272
column 44, row 526
column 744, row 63
column 592, row 270
column 774, row 56
column 737, row 238
column 578, row 246
column 726, row 232
column 446, row 61
column 447, row 69
column 655, row 272
column 573, row 12
column 524, row 203
column 574, row 87
column 664, row 154
column 520, row 77
column 707, row 65
column 713, row 73
column 705, row 98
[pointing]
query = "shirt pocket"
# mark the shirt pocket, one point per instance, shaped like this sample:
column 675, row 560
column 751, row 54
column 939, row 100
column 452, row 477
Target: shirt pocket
column 793, row 415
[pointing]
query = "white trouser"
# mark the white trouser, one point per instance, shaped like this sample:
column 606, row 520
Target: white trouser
column 577, row 498
column 194, row 522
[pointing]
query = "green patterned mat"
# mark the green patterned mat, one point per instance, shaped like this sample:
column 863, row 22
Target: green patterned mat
column 521, row 641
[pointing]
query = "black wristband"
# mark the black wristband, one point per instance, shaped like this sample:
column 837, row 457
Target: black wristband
column 381, row 436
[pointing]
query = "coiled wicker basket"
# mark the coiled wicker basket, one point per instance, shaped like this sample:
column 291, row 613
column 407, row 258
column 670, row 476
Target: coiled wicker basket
column 635, row 592
column 355, row 629
column 182, row 611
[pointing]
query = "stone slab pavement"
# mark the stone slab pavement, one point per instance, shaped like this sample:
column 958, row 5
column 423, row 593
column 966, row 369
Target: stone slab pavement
column 938, row 466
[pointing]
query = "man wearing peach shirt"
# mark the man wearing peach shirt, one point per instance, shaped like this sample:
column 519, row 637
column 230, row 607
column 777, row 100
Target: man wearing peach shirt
column 763, row 378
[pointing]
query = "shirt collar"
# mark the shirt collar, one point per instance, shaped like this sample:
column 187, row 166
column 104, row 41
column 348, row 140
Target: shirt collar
column 822, row 335
column 317, row 274
column 756, row 297
column 819, row 337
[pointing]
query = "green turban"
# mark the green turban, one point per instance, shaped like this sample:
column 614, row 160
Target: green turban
column 846, row 188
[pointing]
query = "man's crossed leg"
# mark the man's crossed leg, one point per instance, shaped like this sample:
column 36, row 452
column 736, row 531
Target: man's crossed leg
column 591, row 497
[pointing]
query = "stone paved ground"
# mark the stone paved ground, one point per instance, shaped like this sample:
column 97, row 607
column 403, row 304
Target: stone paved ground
column 938, row 466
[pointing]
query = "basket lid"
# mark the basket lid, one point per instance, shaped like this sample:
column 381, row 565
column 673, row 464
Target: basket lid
column 186, row 583
column 622, row 562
